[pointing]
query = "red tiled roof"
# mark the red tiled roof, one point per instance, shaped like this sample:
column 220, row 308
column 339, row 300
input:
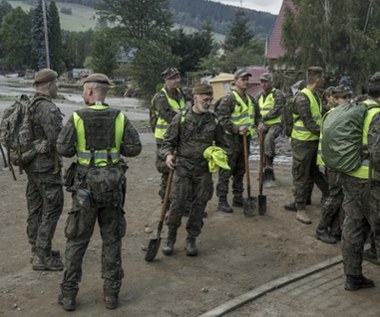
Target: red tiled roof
column 275, row 50
column 256, row 71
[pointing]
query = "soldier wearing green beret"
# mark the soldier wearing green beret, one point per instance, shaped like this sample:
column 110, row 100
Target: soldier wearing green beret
column 44, row 192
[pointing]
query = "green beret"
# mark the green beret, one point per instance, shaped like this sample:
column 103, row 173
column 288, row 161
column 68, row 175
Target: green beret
column 44, row 76
column 202, row 89
column 97, row 78
column 170, row 72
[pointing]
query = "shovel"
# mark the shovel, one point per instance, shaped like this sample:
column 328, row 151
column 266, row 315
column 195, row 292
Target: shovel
column 154, row 244
column 261, row 198
column 249, row 204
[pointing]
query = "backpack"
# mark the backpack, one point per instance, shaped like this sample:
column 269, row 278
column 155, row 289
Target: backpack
column 16, row 132
column 342, row 133
column 287, row 117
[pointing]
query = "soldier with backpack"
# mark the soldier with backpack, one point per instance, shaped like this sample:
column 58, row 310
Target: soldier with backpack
column 44, row 192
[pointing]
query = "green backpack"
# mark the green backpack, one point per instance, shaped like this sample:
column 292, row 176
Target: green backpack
column 341, row 134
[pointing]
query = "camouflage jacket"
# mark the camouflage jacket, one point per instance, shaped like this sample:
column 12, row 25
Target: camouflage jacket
column 302, row 108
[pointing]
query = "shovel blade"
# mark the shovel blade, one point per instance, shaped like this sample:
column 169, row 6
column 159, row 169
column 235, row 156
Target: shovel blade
column 153, row 247
column 262, row 204
column 250, row 206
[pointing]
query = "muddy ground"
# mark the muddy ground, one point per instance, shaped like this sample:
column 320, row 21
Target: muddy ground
column 236, row 254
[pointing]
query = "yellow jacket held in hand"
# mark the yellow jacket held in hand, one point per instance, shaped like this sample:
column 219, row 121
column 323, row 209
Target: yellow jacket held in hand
column 217, row 157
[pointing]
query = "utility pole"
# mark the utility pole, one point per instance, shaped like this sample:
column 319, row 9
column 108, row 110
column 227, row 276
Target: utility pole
column 46, row 34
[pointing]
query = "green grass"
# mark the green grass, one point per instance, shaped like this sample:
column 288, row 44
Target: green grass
column 81, row 19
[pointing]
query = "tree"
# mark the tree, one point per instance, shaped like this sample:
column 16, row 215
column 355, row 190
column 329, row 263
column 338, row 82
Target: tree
column 5, row 8
column 38, row 34
column 16, row 49
column 239, row 33
column 338, row 35
column 55, row 40
column 103, row 55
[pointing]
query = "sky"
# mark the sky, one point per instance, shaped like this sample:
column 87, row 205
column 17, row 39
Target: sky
column 272, row 6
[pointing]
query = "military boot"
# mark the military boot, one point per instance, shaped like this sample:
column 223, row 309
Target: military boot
column 223, row 205
column 48, row 263
column 191, row 247
column 324, row 235
column 302, row 217
column 168, row 246
column 355, row 282
column 68, row 301
column 111, row 301
column 370, row 255
column 237, row 201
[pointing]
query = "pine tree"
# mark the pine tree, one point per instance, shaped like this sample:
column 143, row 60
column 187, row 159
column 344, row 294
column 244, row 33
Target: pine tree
column 55, row 40
column 38, row 35
column 239, row 33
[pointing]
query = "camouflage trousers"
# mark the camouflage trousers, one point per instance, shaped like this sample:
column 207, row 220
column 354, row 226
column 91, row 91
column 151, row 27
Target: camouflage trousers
column 357, row 222
column 79, row 229
column 271, row 135
column 375, row 215
column 332, row 214
column 162, row 169
column 44, row 195
column 305, row 170
column 198, row 186
column 236, row 162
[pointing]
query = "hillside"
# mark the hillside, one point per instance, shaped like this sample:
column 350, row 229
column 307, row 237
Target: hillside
column 191, row 14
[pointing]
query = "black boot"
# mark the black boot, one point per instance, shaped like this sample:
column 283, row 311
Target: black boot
column 67, row 301
column 324, row 235
column 168, row 246
column 290, row 207
column 111, row 301
column 223, row 205
column 237, row 201
column 191, row 247
column 355, row 282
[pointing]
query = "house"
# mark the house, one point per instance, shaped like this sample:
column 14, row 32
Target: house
column 254, row 81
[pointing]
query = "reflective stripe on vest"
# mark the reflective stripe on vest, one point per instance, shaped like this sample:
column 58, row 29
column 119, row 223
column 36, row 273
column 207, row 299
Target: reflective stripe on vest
column 267, row 106
column 300, row 132
column 363, row 170
column 243, row 114
column 100, row 156
column 162, row 125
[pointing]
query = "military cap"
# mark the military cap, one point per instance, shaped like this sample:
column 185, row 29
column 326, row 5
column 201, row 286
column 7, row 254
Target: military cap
column 341, row 91
column 202, row 89
column 44, row 76
column 329, row 91
column 97, row 78
column 242, row 72
column 374, row 80
column 170, row 72
column 266, row 77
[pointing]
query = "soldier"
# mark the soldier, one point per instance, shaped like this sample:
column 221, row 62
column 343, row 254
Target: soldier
column 304, row 141
column 360, row 204
column 166, row 104
column 189, row 135
column 238, row 114
column 329, row 227
column 98, row 186
column 44, row 192
column 271, row 102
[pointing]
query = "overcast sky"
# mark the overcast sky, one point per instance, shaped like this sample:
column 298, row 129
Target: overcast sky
column 272, row 6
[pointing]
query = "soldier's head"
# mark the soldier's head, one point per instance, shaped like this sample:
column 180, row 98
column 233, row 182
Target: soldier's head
column 241, row 79
column 373, row 86
column 95, row 88
column 266, row 81
column 202, row 96
column 342, row 94
column 315, row 76
column 172, row 78
column 45, row 82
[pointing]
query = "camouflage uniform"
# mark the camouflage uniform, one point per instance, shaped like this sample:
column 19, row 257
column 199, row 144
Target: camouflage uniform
column 304, row 167
column 190, row 137
column 236, row 149
column 362, row 207
column 107, row 207
column 44, row 192
column 166, row 112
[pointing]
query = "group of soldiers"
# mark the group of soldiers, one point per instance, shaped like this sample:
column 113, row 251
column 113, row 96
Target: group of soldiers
column 349, row 201
column 192, row 142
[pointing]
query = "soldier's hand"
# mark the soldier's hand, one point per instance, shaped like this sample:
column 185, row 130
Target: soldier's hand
column 261, row 127
column 170, row 162
column 243, row 129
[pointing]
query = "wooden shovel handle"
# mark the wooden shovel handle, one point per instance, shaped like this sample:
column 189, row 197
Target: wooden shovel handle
column 167, row 194
column 246, row 165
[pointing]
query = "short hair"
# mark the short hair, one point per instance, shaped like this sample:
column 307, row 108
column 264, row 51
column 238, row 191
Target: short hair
column 313, row 73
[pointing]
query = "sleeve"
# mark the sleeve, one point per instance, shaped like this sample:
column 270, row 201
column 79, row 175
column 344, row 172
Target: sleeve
column 374, row 142
column 220, row 137
column 302, row 105
column 225, row 109
column 280, row 100
column 161, row 104
column 67, row 138
column 131, row 144
column 171, row 137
